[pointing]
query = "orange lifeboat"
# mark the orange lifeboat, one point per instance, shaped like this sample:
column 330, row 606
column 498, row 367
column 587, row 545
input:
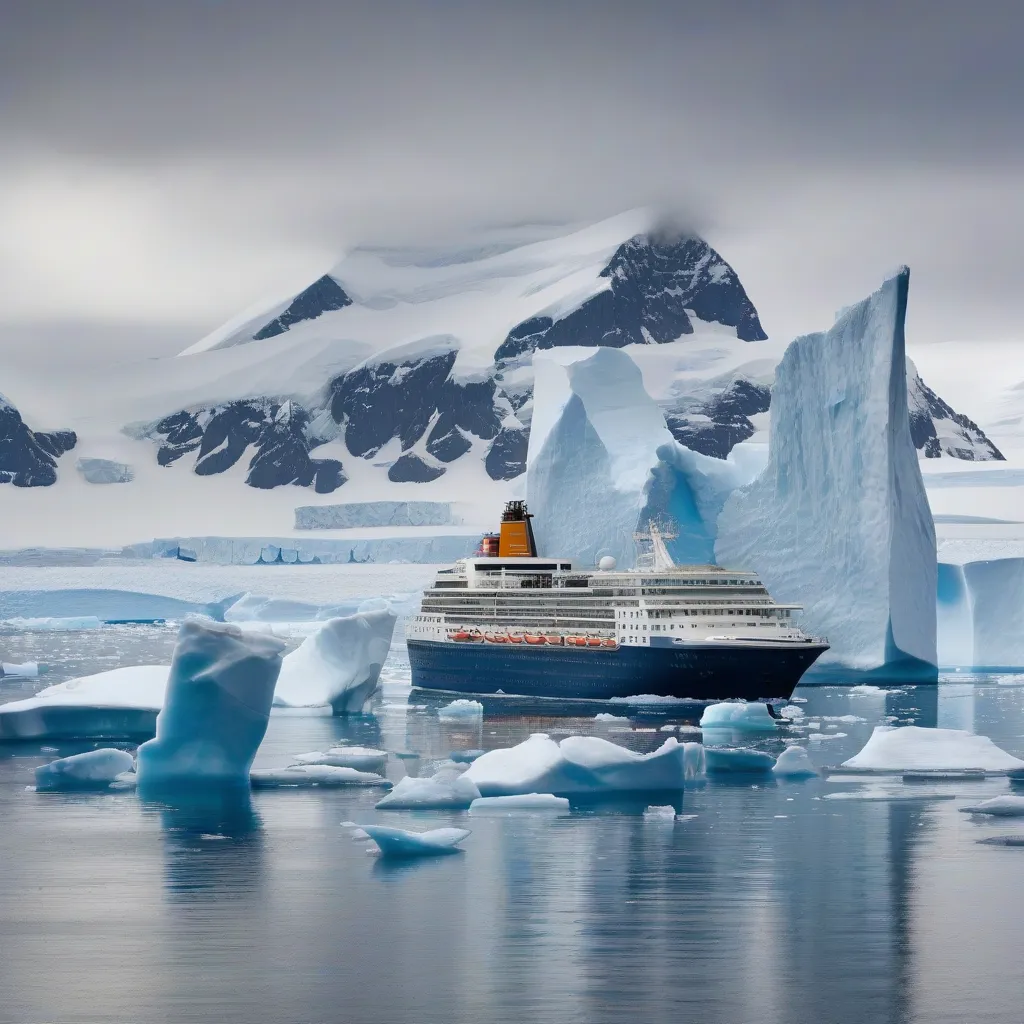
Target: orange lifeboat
column 593, row 641
column 576, row 641
column 553, row 638
column 534, row 639
column 515, row 638
column 496, row 638
column 459, row 634
column 609, row 641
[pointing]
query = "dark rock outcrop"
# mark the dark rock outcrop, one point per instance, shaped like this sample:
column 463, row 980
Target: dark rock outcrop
column 411, row 468
column 322, row 295
column 721, row 422
column 506, row 456
column 936, row 428
column 28, row 458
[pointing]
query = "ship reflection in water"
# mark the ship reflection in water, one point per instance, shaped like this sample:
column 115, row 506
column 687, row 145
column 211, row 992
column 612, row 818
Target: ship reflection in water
column 767, row 903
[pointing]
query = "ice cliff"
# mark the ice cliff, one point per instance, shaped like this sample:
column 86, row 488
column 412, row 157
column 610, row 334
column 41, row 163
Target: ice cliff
column 839, row 521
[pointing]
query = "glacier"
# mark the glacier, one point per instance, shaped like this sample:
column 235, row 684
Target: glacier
column 839, row 520
column 339, row 664
column 216, row 708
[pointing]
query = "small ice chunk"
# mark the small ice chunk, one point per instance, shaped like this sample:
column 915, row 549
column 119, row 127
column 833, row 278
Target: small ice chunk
column 792, row 713
column 1007, row 806
column 447, row 789
column 355, row 831
column 737, row 760
column 874, row 795
column 793, row 763
column 817, row 738
column 605, row 717
column 864, row 690
column 398, row 842
column 313, row 775
column 738, row 715
column 461, row 710
column 216, row 707
column 26, row 670
column 914, row 748
column 520, row 802
column 363, row 759
column 95, row 769
column 579, row 764
column 660, row 812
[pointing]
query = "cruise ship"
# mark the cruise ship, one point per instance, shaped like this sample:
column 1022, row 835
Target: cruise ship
column 507, row 621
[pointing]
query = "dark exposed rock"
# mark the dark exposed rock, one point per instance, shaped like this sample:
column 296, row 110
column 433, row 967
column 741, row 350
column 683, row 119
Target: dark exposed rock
column 961, row 438
column 448, row 446
column 183, row 434
column 715, row 427
column 654, row 281
column 412, row 469
column 322, row 295
column 29, row 458
column 506, row 457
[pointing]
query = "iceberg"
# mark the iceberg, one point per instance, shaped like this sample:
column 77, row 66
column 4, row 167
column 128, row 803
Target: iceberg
column 446, row 789
column 579, row 765
column 1007, row 806
column 794, row 763
column 26, row 670
column 216, row 707
column 594, row 440
column 737, row 761
column 339, row 664
column 460, row 710
column 363, row 759
column 121, row 704
column 660, row 812
column 839, row 520
column 913, row 748
column 738, row 715
column 93, row 770
column 996, row 600
column 313, row 775
column 397, row 842
column 520, row 802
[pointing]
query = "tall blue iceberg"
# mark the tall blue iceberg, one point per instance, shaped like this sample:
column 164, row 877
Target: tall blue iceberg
column 839, row 520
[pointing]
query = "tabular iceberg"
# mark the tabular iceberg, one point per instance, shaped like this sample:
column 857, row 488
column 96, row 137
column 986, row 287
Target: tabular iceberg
column 216, row 708
column 839, row 520
column 338, row 665
column 913, row 748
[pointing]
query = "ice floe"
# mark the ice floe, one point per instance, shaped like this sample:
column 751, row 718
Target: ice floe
column 398, row 842
column 460, row 710
column 911, row 747
column 519, row 802
column 313, row 775
column 1006, row 806
column 660, row 812
column 95, row 769
column 448, row 788
column 876, row 795
column 577, row 765
column 363, row 759
column 26, row 670
column 794, row 763
column 738, row 715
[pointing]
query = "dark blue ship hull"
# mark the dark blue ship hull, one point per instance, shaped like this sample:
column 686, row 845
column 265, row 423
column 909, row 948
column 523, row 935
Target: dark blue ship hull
column 703, row 672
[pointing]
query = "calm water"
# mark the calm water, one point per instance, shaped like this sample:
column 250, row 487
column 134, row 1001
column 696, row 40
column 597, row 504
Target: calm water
column 771, row 904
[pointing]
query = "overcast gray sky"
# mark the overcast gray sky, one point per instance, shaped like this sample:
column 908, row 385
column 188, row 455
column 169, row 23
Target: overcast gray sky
column 164, row 165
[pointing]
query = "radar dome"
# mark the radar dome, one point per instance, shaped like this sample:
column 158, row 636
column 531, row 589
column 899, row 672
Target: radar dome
column 607, row 563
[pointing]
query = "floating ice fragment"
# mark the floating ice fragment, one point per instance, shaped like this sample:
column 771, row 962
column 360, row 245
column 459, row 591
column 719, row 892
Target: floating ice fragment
column 519, row 802
column 577, row 765
column 605, row 717
column 662, row 812
column 889, row 796
column 355, row 831
column 792, row 713
column 738, row 715
column 397, row 842
column 95, row 769
column 313, row 775
column 794, row 763
column 1006, row 806
column 461, row 710
column 216, row 707
column 363, row 759
column 1003, row 840
column 27, row 670
column 864, row 690
column 447, row 789
column 737, row 760
column 47, row 623
column 915, row 748
column 817, row 738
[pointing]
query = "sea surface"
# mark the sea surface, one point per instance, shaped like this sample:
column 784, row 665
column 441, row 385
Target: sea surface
column 767, row 902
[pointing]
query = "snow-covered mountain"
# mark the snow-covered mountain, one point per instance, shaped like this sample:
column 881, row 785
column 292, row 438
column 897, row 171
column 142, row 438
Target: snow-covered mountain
column 405, row 374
